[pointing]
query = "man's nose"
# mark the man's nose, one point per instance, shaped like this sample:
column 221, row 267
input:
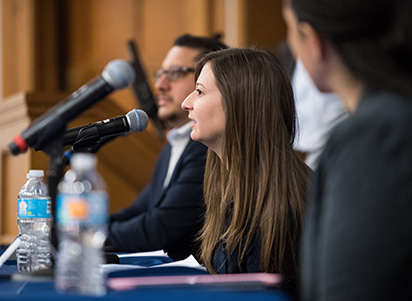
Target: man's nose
column 162, row 83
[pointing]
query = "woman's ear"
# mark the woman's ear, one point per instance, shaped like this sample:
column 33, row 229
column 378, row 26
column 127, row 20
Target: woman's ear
column 316, row 45
column 318, row 55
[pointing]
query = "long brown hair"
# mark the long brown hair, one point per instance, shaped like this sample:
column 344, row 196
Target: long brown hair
column 262, row 182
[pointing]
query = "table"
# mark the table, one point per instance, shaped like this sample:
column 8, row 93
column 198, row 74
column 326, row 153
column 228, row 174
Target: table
column 42, row 288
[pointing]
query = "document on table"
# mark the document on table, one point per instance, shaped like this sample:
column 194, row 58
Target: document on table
column 143, row 254
column 190, row 262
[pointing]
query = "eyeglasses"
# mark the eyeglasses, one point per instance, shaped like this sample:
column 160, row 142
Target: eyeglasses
column 173, row 73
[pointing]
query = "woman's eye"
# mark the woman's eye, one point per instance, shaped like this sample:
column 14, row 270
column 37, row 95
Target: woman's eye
column 199, row 92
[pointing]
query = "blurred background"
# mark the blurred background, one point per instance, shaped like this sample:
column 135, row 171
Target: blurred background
column 49, row 48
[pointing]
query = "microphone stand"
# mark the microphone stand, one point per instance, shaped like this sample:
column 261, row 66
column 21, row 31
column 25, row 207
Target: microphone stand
column 54, row 148
column 92, row 145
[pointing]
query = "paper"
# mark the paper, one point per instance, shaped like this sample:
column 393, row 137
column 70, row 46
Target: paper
column 10, row 250
column 189, row 262
column 143, row 254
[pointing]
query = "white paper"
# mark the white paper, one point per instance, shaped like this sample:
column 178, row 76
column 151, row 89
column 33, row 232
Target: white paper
column 189, row 262
column 144, row 254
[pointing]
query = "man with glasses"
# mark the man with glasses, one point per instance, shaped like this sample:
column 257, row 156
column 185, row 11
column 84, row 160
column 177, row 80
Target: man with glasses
column 168, row 212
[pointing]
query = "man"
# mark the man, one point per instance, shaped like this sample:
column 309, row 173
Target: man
column 168, row 212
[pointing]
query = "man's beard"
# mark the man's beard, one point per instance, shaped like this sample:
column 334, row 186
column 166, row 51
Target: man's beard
column 169, row 120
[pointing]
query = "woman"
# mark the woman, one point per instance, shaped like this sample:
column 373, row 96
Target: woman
column 357, row 241
column 255, row 184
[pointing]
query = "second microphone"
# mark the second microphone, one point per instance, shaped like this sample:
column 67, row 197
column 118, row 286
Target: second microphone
column 134, row 121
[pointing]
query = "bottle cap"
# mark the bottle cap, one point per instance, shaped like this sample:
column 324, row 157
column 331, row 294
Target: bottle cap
column 35, row 173
column 83, row 161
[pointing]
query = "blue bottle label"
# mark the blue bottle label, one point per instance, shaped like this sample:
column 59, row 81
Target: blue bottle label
column 81, row 209
column 33, row 208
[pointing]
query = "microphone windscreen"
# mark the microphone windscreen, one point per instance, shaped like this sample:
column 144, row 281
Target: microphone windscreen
column 118, row 74
column 138, row 120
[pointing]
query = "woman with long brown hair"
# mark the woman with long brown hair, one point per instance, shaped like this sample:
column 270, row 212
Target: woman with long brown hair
column 255, row 184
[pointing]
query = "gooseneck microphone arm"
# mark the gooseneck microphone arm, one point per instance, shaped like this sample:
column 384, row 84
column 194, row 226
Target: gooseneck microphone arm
column 89, row 138
column 93, row 132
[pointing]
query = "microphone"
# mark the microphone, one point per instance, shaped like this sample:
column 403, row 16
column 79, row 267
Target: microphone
column 88, row 135
column 117, row 74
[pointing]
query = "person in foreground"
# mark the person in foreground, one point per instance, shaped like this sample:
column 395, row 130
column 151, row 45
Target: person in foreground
column 255, row 184
column 357, row 239
column 168, row 213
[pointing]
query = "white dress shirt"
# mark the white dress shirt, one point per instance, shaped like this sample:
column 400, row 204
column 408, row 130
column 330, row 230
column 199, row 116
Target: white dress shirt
column 317, row 115
column 178, row 139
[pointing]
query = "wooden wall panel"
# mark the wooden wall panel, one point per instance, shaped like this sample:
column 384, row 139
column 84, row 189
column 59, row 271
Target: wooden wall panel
column 18, row 46
column 13, row 169
column 46, row 27
column 12, row 181
column 29, row 46
column 98, row 31
column 50, row 45
column 264, row 25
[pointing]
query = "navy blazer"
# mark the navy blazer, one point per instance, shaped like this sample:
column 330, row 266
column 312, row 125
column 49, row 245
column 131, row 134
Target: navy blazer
column 224, row 264
column 165, row 218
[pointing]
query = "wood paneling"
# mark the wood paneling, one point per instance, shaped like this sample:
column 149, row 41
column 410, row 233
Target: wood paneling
column 18, row 46
column 58, row 45
column 264, row 25
column 99, row 30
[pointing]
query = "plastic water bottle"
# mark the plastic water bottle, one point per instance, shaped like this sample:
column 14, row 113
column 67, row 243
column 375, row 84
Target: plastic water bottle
column 33, row 220
column 82, row 228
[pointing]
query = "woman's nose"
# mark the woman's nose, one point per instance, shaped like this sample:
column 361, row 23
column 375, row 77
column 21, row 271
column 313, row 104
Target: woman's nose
column 187, row 103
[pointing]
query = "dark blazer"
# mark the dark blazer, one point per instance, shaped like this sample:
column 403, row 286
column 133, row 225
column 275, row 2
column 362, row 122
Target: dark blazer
column 357, row 240
column 169, row 218
column 224, row 264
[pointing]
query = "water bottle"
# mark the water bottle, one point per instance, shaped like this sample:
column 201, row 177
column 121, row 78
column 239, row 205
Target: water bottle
column 33, row 220
column 82, row 215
